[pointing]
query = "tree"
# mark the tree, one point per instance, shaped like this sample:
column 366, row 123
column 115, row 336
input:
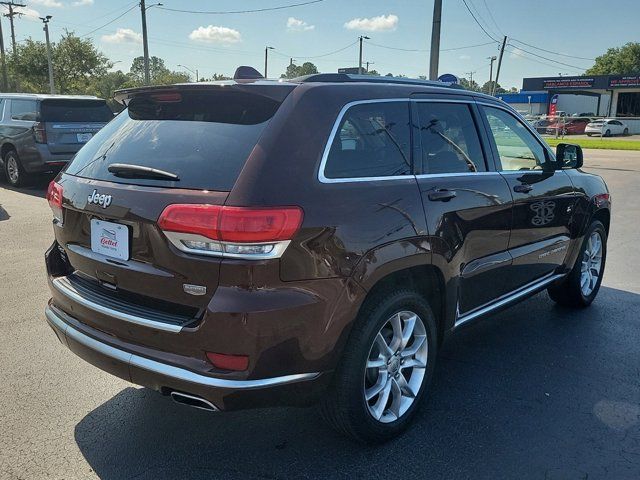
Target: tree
column 215, row 78
column 293, row 70
column 618, row 61
column 473, row 86
column 487, row 87
column 159, row 74
column 76, row 64
column 372, row 72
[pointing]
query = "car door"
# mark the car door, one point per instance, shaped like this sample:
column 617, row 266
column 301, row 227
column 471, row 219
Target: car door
column 543, row 198
column 467, row 205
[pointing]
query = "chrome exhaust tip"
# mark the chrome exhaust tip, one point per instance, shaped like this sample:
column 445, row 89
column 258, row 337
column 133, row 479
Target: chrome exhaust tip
column 193, row 401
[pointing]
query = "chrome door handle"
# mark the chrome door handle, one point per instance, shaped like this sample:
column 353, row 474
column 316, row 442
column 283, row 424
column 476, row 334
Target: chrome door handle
column 441, row 195
column 522, row 188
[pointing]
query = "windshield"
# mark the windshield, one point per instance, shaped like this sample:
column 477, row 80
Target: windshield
column 202, row 138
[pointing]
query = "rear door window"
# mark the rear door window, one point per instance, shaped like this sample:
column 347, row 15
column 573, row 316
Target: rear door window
column 372, row 140
column 74, row 111
column 24, row 110
column 202, row 137
column 449, row 137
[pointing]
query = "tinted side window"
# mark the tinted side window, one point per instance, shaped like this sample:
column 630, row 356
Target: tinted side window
column 372, row 140
column 24, row 110
column 517, row 147
column 450, row 142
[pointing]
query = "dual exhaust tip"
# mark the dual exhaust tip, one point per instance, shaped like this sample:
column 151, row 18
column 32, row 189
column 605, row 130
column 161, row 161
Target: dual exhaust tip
column 193, row 401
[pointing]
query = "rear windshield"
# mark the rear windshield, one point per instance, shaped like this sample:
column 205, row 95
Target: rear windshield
column 75, row 111
column 202, row 137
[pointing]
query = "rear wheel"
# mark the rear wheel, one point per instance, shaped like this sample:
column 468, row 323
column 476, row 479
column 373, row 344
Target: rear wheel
column 386, row 368
column 581, row 286
column 626, row 132
column 589, row 134
column 607, row 133
column 13, row 170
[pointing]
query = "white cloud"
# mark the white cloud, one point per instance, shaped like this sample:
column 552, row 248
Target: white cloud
column 82, row 3
column 382, row 23
column 28, row 13
column 123, row 35
column 464, row 57
column 48, row 3
column 213, row 34
column 297, row 25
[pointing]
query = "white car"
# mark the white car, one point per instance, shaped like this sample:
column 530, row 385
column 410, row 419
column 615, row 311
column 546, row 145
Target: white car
column 606, row 127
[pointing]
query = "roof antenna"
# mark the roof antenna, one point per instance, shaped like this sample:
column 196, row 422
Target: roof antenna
column 245, row 72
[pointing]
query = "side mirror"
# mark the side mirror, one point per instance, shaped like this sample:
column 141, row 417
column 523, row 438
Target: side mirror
column 568, row 155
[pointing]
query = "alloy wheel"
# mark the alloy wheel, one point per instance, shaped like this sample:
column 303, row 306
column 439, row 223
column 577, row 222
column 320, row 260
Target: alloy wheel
column 396, row 366
column 12, row 169
column 591, row 267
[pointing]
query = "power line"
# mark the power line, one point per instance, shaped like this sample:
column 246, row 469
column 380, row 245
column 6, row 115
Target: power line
column 256, row 10
column 491, row 16
column 479, row 16
column 518, row 52
column 548, row 59
column 111, row 21
column 426, row 49
column 476, row 20
column 319, row 56
column 549, row 51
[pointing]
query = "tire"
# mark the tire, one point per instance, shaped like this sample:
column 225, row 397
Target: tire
column 589, row 134
column 571, row 292
column 13, row 171
column 607, row 133
column 365, row 369
column 625, row 132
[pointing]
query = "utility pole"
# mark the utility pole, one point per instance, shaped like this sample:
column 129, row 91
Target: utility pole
column 495, row 85
column 470, row 78
column 46, row 20
column 145, row 44
column 369, row 63
column 195, row 72
column 12, row 13
column 5, row 79
column 266, row 59
column 435, row 40
column 492, row 59
column 362, row 37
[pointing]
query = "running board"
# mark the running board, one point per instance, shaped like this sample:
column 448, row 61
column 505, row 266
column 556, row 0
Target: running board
column 508, row 299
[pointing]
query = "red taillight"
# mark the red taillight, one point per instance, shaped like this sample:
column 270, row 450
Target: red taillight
column 40, row 132
column 228, row 362
column 54, row 197
column 602, row 199
column 232, row 224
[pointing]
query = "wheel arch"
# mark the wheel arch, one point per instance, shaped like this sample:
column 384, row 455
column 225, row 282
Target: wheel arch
column 6, row 148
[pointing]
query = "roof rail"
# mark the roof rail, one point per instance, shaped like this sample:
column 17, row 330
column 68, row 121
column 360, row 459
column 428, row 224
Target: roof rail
column 347, row 77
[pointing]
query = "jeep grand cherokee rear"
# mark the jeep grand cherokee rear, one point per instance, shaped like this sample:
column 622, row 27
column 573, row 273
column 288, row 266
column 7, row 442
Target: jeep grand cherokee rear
column 256, row 243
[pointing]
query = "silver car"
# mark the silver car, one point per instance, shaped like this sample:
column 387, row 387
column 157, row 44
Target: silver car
column 606, row 127
column 41, row 133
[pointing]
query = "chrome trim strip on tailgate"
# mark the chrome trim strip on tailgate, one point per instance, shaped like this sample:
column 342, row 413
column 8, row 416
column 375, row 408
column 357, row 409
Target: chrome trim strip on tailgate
column 165, row 369
column 66, row 289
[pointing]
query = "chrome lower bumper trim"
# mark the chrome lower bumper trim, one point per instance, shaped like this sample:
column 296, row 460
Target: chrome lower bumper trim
column 68, row 291
column 164, row 369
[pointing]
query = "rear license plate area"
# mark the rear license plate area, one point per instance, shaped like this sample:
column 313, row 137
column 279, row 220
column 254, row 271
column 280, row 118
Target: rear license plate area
column 110, row 239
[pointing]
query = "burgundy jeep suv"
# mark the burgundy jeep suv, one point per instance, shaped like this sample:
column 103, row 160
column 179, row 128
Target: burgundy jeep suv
column 254, row 243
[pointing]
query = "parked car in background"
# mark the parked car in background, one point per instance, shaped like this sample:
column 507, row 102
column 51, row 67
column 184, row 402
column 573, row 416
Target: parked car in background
column 606, row 127
column 41, row 133
column 573, row 126
column 541, row 125
column 257, row 243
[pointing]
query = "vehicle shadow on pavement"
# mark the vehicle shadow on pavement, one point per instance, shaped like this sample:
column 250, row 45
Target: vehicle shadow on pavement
column 537, row 391
column 38, row 188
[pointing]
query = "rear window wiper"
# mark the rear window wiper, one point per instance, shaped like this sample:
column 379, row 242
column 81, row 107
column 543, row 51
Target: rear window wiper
column 127, row 170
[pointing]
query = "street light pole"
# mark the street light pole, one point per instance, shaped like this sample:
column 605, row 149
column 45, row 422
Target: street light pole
column 188, row 69
column 266, row 59
column 46, row 20
column 492, row 59
column 435, row 40
column 362, row 37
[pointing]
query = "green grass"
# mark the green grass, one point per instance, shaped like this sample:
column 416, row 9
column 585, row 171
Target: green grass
column 599, row 143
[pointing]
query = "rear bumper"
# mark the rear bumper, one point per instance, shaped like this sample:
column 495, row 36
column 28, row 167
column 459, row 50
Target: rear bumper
column 115, row 357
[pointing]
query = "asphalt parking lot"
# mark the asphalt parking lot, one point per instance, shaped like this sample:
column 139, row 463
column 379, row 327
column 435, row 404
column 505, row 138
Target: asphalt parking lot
column 535, row 392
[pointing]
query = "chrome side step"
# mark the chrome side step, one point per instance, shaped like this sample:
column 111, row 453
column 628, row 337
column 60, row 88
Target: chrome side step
column 508, row 299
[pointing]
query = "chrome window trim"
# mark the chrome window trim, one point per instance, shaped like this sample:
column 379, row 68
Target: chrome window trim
column 145, row 322
column 334, row 130
column 520, row 118
column 177, row 373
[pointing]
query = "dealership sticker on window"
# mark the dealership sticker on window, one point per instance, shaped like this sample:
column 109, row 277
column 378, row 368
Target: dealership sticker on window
column 110, row 239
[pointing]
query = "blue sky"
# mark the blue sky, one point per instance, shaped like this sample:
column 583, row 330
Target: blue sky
column 219, row 43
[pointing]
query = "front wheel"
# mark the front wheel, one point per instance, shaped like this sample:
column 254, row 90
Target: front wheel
column 13, row 170
column 582, row 284
column 607, row 133
column 386, row 368
column 626, row 132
